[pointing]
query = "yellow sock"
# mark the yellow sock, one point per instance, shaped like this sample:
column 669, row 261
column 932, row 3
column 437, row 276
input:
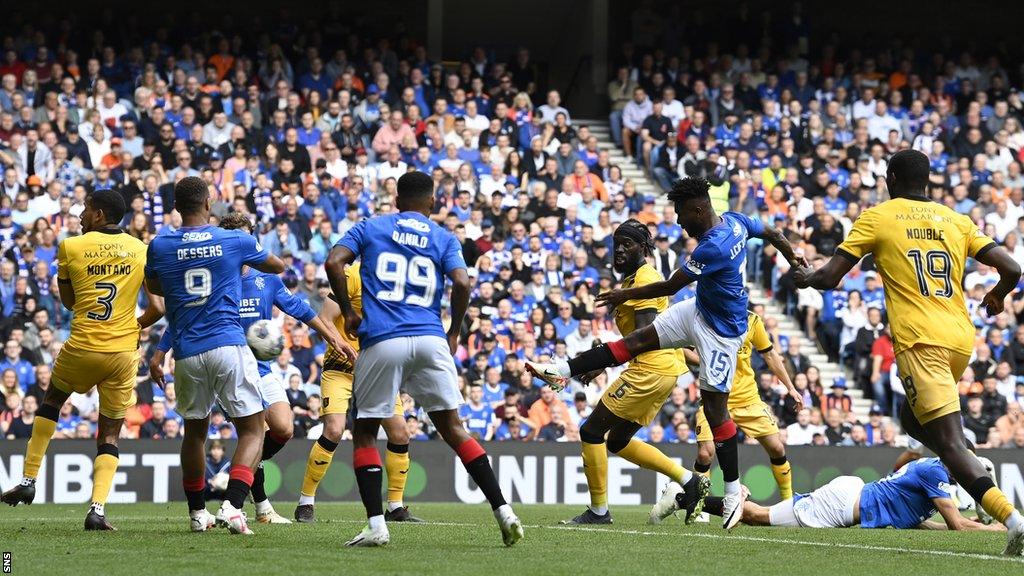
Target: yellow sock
column 646, row 456
column 396, row 464
column 316, row 466
column 995, row 503
column 103, row 469
column 42, row 431
column 595, row 466
column 784, row 478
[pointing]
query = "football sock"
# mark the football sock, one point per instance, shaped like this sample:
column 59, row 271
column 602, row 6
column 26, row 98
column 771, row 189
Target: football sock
column 272, row 444
column 646, row 456
column 319, row 460
column 598, row 358
column 240, row 479
column 103, row 469
column 259, row 493
column 992, row 499
column 595, row 467
column 195, row 493
column 713, row 505
column 474, row 458
column 783, row 477
column 702, row 469
column 43, row 428
column 396, row 464
column 726, row 448
column 366, row 462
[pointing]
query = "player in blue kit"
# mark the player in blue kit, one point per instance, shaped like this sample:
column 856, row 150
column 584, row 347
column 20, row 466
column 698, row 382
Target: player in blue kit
column 260, row 294
column 405, row 258
column 197, row 269
column 715, row 322
column 904, row 499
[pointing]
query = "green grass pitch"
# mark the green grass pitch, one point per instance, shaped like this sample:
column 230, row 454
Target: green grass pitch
column 464, row 539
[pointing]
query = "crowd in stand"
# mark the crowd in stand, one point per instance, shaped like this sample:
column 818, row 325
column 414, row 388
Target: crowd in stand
column 308, row 140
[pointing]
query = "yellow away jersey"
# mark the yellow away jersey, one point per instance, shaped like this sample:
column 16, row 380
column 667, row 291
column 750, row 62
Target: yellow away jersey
column 744, row 387
column 105, row 269
column 333, row 360
column 664, row 362
column 920, row 248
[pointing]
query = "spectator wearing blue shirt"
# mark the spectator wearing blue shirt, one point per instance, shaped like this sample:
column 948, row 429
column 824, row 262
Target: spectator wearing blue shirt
column 316, row 201
column 7, row 280
column 23, row 369
column 323, row 240
column 873, row 293
column 564, row 323
column 316, row 81
column 495, row 354
column 493, row 388
column 476, row 415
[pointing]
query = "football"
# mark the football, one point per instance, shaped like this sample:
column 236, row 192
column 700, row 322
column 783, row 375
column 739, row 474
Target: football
column 265, row 339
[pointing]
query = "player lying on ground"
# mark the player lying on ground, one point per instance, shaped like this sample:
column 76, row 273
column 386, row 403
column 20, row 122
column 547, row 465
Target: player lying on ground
column 905, row 499
column 406, row 258
column 633, row 400
column 260, row 293
column 99, row 275
column 920, row 249
column 915, row 450
column 336, row 391
column 198, row 271
column 715, row 322
column 747, row 410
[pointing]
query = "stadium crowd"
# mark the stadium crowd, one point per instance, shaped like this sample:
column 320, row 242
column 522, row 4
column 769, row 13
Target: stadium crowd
column 308, row 140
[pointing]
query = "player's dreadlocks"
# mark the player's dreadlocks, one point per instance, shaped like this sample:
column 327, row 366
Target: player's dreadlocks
column 689, row 189
column 637, row 232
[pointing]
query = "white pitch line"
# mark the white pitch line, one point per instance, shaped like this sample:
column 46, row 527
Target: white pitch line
column 949, row 553
column 736, row 537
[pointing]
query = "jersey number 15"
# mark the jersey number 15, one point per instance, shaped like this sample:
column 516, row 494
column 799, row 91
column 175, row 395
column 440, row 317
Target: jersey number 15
column 418, row 271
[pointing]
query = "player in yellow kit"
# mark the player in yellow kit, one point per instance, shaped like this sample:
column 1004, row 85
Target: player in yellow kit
column 920, row 250
column 633, row 400
column 99, row 275
column 749, row 413
column 336, row 392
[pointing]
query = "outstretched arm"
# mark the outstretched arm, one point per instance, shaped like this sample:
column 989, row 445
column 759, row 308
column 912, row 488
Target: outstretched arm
column 669, row 287
column 337, row 260
column 776, row 238
column 778, row 367
column 954, row 520
column 827, row 277
column 461, row 287
column 1009, row 275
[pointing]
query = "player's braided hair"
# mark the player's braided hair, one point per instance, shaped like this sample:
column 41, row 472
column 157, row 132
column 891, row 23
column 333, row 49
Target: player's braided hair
column 638, row 232
column 688, row 189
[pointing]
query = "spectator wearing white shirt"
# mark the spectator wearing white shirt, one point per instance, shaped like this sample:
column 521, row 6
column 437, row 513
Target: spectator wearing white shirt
column 633, row 116
column 865, row 106
column 552, row 107
column 493, row 182
column 218, row 130
column 881, row 122
column 283, row 367
column 672, row 108
column 1003, row 221
column 393, row 167
column 801, row 432
column 110, row 109
column 581, row 339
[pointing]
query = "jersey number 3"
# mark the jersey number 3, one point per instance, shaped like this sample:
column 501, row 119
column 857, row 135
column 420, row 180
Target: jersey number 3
column 106, row 301
column 418, row 271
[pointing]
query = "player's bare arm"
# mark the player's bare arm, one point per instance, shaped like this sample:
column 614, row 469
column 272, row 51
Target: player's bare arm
column 774, row 361
column 665, row 288
column 460, row 302
column 1009, row 274
column 339, row 258
column 330, row 334
column 67, row 293
column 272, row 265
column 775, row 237
column 154, row 309
column 956, row 521
column 154, row 286
column 825, row 278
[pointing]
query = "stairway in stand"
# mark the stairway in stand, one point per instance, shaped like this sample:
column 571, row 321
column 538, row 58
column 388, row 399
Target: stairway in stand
column 787, row 325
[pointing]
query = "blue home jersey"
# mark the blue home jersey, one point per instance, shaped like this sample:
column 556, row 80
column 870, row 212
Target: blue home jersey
column 200, row 270
column 405, row 258
column 260, row 293
column 718, row 264
column 477, row 420
column 903, row 499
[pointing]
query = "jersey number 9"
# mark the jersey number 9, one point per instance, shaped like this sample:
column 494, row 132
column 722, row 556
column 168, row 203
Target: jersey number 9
column 418, row 271
column 198, row 283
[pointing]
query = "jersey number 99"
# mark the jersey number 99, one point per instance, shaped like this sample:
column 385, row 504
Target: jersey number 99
column 418, row 271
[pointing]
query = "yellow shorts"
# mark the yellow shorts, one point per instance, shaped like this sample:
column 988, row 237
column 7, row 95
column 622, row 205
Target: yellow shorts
column 756, row 420
column 112, row 373
column 929, row 375
column 638, row 395
column 336, row 393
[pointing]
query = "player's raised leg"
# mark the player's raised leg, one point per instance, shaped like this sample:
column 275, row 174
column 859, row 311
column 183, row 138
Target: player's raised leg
column 43, row 427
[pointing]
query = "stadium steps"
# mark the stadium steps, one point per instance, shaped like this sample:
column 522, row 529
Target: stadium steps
column 787, row 325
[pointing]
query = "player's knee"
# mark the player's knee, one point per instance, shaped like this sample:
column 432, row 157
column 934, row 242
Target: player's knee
column 589, row 435
column 397, row 434
column 617, row 443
